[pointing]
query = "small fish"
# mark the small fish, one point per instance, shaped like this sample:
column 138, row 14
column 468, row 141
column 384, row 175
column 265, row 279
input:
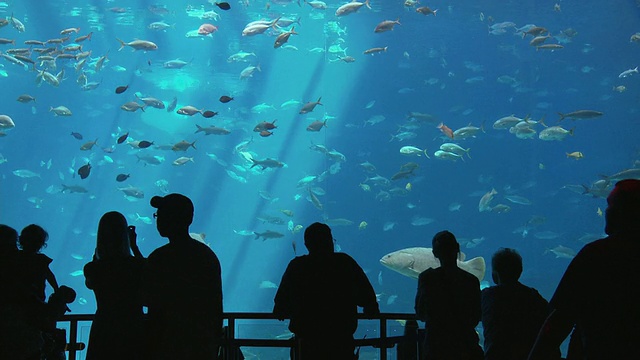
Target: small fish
column 223, row 5
column 76, row 135
column 122, row 177
column 577, row 155
column 121, row 89
column 123, row 138
column 599, row 212
column 172, row 105
column 144, row 144
column 225, row 99
column 209, row 114
column 84, row 171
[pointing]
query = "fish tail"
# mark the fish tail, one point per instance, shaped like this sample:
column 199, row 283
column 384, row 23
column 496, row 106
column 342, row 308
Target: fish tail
column 477, row 267
column 586, row 189
column 319, row 103
column 367, row 4
column 142, row 108
column 562, row 116
column 468, row 155
column 193, row 144
column 541, row 121
column 426, row 154
column 571, row 131
column 122, row 44
column 434, row 12
column 257, row 235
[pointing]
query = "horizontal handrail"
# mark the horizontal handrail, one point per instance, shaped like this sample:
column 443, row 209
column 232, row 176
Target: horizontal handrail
column 382, row 343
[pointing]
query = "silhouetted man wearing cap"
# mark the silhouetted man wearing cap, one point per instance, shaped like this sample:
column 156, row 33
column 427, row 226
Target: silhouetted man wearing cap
column 184, row 288
column 599, row 293
column 320, row 293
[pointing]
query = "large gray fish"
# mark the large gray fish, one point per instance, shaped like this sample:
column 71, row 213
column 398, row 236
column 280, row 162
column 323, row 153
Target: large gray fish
column 412, row 261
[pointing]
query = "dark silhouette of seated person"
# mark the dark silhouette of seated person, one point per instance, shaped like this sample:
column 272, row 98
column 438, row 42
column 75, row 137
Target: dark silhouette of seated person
column 115, row 276
column 599, row 292
column 512, row 313
column 320, row 294
column 184, row 288
column 448, row 301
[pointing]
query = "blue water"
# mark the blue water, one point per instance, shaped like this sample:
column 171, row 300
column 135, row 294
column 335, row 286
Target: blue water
column 453, row 48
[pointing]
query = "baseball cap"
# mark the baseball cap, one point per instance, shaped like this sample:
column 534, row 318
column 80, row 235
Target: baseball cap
column 174, row 203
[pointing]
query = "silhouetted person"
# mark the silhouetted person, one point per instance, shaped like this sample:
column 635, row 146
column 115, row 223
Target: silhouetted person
column 448, row 301
column 32, row 274
column 8, row 259
column 599, row 292
column 512, row 313
column 18, row 340
column 184, row 287
column 34, row 265
column 320, row 293
column 115, row 276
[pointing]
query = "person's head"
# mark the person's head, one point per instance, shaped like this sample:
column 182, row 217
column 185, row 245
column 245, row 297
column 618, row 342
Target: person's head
column 8, row 239
column 445, row 246
column 623, row 211
column 174, row 214
column 113, row 236
column 318, row 238
column 33, row 238
column 506, row 266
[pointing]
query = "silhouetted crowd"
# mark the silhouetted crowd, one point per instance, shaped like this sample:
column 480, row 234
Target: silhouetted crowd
column 597, row 301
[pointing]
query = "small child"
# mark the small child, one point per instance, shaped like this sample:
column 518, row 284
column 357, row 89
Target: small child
column 35, row 265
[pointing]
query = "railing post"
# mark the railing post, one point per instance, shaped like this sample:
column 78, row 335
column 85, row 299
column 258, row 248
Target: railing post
column 383, row 336
column 73, row 339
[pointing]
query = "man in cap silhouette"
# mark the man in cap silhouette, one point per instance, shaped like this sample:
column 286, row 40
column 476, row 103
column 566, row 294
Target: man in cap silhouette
column 184, row 288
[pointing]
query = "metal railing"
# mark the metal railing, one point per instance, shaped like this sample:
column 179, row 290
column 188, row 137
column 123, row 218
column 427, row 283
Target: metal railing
column 382, row 342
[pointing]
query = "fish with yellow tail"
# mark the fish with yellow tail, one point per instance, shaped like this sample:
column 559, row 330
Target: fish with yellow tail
column 412, row 150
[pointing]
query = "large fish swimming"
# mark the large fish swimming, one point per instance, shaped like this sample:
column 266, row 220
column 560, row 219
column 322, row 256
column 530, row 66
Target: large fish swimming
column 412, row 261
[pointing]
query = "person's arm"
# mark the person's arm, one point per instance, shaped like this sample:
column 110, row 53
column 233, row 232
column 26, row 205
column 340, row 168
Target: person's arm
column 284, row 299
column 565, row 302
column 553, row 332
column 133, row 237
column 420, row 305
column 365, row 294
column 51, row 279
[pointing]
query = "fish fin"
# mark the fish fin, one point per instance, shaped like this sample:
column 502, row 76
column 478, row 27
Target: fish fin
column 477, row 267
column 562, row 116
column 122, row 44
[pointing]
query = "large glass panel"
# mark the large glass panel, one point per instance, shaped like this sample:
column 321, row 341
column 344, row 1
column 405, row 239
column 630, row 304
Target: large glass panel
column 389, row 123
